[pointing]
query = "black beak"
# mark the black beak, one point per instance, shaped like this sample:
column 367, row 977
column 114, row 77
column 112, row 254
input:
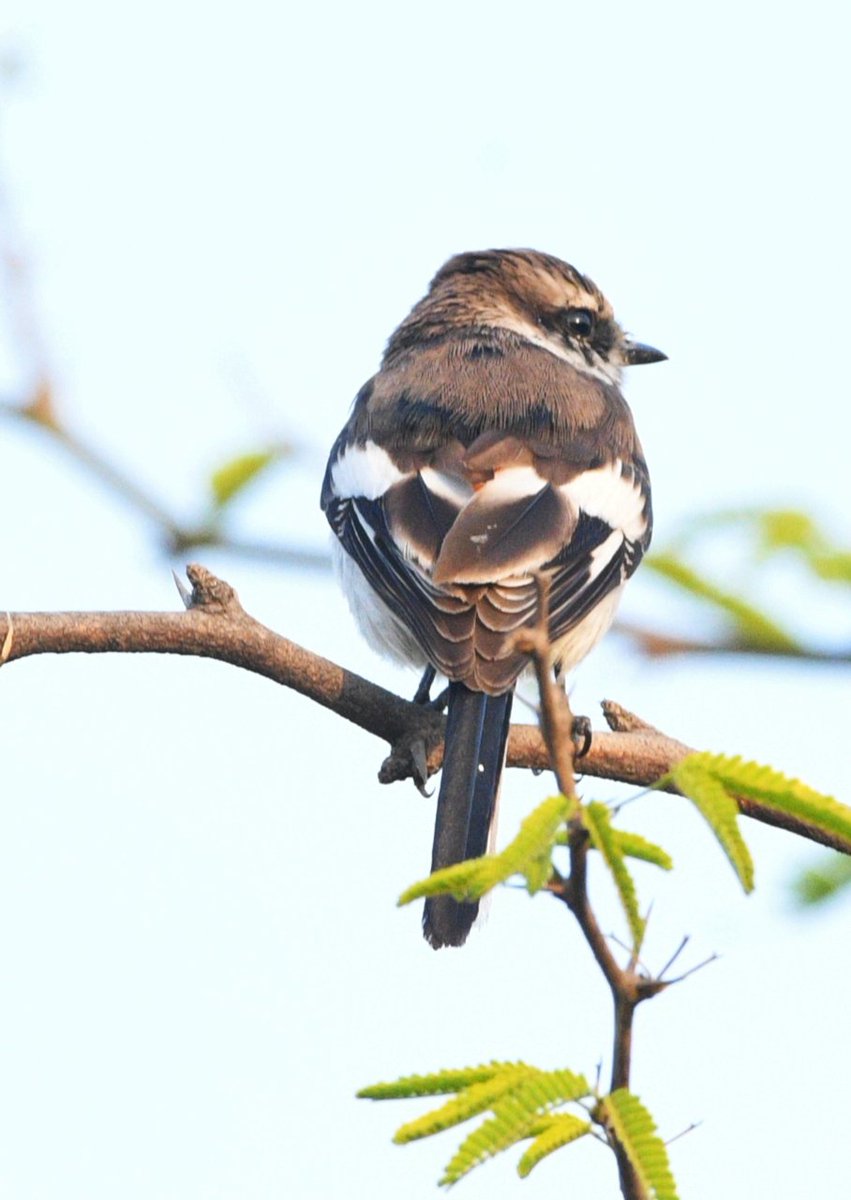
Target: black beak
column 636, row 353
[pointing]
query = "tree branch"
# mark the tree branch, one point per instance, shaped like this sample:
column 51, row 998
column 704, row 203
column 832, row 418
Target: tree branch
column 655, row 644
column 176, row 537
column 557, row 730
column 216, row 626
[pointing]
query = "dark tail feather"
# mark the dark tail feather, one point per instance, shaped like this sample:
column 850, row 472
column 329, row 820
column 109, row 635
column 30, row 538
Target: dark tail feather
column 476, row 733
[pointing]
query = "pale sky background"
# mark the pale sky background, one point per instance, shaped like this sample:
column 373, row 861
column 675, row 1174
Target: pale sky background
column 227, row 209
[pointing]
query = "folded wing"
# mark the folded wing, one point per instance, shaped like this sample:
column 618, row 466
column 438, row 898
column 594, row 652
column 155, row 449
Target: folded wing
column 450, row 543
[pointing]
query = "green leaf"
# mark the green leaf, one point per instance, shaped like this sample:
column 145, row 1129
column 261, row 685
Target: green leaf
column 835, row 566
column 528, row 855
column 598, row 822
column 537, row 1090
column 468, row 1103
column 436, row 1084
column 517, row 1115
column 464, row 881
column 775, row 790
column 633, row 845
column 823, row 882
column 784, row 529
column 491, row 1137
column 696, row 779
column 758, row 629
column 232, row 477
column 625, row 1116
column 519, row 1096
column 788, row 529
column 551, row 1134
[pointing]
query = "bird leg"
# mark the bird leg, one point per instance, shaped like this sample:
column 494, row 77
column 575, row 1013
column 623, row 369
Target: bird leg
column 580, row 733
column 423, row 693
column 422, row 696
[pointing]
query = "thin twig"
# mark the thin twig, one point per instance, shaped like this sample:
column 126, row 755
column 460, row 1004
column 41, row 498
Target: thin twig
column 691, row 971
column 177, row 537
column 675, row 955
column 557, row 732
column 655, row 644
column 688, row 1129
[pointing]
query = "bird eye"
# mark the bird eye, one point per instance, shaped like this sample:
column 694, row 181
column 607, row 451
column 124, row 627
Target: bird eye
column 579, row 322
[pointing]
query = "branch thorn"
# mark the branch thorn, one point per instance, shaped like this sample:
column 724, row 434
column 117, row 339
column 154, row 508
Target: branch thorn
column 183, row 591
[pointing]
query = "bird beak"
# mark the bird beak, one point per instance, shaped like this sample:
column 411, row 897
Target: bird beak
column 636, row 353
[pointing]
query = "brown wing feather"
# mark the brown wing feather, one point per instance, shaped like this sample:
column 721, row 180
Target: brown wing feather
column 494, row 538
column 453, row 547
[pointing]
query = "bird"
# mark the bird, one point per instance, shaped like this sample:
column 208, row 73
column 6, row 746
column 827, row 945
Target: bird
column 492, row 447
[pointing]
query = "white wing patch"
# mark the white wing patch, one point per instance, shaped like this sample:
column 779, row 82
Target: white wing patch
column 512, row 483
column 606, row 493
column 366, row 471
column 414, row 542
column 450, row 487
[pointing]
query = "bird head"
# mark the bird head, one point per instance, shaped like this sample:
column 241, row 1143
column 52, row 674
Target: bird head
column 545, row 301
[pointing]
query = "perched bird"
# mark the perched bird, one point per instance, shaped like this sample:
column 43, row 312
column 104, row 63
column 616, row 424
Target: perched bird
column 492, row 445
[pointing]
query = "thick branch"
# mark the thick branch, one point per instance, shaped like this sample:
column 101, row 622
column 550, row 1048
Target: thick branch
column 216, row 626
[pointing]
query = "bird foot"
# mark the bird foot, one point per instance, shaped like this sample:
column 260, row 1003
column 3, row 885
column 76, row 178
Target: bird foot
column 408, row 758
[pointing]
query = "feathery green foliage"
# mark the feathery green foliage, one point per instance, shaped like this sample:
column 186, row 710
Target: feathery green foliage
column 469, row 1102
column 775, row 790
column 515, row 1101
column 506, row 1127
column 697, row 780
column 551, row 1134
column 519, row 1096
column 597, row 820
column 817, row 884
column 781, row 530
column 517, row 1115
column 527, row 855
column 228, row 480
column 632, row 845
column 630, row 1122
column 438, row 1083
column 754, row 626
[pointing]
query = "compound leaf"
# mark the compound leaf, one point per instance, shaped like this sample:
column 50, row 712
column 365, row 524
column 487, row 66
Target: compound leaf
column 630, row 1122
column 598, row 822
column 696, row 780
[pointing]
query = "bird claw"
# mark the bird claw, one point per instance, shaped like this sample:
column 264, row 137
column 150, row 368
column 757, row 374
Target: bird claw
column 420, row 766
column 408, row 759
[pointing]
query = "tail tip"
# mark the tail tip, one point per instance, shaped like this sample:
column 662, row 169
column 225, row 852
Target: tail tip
column 446, row 922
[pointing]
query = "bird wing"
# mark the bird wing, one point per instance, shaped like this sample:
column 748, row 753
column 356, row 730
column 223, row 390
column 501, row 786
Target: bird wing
column 450, row 540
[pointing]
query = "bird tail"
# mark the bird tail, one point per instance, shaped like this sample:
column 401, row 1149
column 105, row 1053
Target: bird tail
column 476, row 737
